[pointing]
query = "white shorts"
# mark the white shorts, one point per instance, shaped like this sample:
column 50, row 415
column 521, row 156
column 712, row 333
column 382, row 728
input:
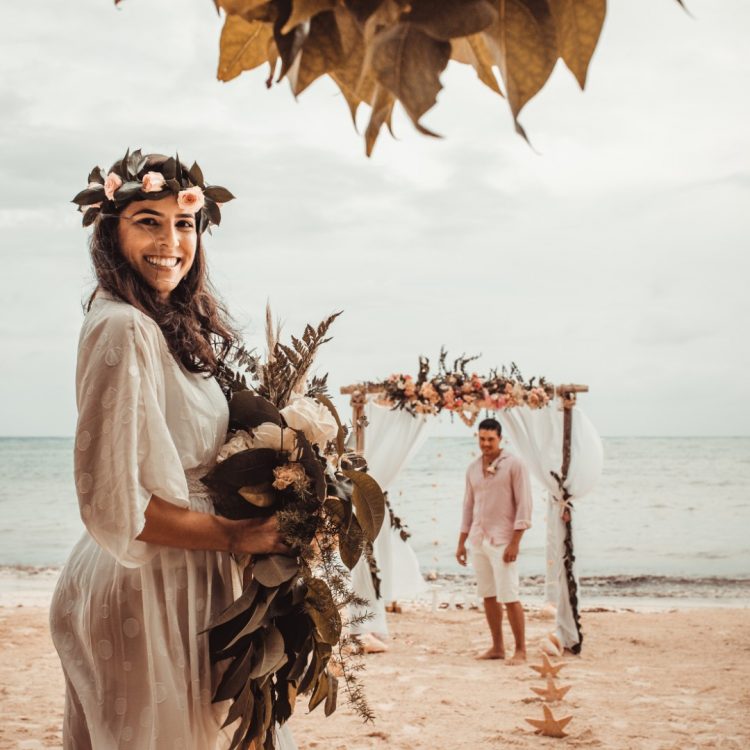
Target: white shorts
column 494, row 576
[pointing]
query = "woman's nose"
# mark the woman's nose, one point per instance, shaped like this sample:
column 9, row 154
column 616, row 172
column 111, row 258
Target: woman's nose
column 168, row 237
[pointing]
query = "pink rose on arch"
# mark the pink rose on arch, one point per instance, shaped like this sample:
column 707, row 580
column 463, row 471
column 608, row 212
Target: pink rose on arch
column 111, row 184
column 153, row 182
column 191, row 199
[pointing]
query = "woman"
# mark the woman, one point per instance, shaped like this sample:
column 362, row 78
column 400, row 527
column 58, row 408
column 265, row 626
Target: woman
column 154, row 566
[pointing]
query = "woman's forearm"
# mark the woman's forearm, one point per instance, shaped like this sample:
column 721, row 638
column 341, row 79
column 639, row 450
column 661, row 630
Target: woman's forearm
column 171, row 526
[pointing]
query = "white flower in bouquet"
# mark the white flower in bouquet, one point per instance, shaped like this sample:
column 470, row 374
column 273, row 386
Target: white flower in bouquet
column 312, row 419
column 239, row 442
column 270, row 435
column 266, row 435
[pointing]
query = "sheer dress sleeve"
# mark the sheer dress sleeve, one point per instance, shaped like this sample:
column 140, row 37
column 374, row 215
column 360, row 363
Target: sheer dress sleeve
column 124, row 452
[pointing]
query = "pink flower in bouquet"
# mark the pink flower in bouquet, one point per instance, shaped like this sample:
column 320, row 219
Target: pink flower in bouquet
column 467, row 388
column 290, row 475
column 533, row 399
column 191, row 199
column 428, row 392
column 111, row 184
column 153, row 182
column 448, row 398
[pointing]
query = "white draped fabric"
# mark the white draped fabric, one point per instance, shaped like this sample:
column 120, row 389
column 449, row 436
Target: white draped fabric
column 392, row 439
column 537, row 436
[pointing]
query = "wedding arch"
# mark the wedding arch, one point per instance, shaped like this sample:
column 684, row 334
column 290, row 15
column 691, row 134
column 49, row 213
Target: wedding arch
column 558, row 443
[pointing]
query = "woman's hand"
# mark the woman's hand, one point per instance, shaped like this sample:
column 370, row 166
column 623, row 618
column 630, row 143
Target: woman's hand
column 257, row 536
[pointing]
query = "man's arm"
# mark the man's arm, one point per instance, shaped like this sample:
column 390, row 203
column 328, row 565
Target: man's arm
column 511, row 549
column 522, row 501
column 461, row 549
column 466, row 520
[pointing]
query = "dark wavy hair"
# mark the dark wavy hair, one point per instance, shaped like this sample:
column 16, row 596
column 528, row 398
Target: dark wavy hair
column 195, row 324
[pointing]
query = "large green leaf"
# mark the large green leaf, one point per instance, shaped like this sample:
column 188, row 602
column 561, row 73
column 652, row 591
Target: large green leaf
column 351, row 544
column 247, row 711
column 320, row 693
column 248, row 410
column 322, row 609
column 257, row 617
column 240, row 605
column 273, row 570
column 369, row 502
column 333, row 689
column 248, row 467
column 270, row 654
column 236, row 676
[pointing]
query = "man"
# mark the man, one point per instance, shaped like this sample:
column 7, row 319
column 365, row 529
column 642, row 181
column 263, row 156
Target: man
column 497, row 510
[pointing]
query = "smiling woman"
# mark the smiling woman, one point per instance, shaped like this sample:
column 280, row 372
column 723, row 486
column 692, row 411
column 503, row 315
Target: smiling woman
column 153, row 567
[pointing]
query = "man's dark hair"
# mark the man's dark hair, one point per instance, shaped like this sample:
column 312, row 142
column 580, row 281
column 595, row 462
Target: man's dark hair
column 491, row 424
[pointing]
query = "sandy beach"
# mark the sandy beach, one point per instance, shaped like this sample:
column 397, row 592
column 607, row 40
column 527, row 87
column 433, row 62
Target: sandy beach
column 670, row 680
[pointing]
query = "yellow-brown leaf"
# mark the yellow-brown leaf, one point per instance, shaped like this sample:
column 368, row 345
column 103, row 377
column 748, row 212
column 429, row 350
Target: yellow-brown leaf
column 578, row 24
column 304, row 10
column 408, row 63
column 449, row 19
column 526, row 48
column 320, row 53
column 382, row 106
column 243, row 46
column 475, row 50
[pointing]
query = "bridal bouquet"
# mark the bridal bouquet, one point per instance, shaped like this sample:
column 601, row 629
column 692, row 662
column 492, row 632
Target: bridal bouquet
column 285, row 455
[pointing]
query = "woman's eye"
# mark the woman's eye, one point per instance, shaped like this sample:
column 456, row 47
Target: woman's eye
column 185, row 224
column 147, row 221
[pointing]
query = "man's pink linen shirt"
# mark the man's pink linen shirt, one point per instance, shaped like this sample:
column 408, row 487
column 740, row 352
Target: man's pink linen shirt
column 495, row 505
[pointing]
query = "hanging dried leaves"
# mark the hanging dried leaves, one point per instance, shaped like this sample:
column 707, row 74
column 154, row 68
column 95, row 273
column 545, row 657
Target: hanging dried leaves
column 380, row 51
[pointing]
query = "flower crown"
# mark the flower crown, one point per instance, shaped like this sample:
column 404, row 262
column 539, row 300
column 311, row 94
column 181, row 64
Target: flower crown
column 151, row 177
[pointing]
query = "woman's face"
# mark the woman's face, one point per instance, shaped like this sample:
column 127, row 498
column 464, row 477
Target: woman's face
column 159, row 240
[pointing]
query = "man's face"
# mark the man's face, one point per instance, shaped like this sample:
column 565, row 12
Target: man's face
column 489, row 442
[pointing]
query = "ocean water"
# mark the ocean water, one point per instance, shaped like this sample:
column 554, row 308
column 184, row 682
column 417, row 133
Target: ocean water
column 670, row 516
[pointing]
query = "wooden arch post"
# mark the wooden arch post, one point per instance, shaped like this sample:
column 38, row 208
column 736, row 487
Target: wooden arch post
column 568, row 395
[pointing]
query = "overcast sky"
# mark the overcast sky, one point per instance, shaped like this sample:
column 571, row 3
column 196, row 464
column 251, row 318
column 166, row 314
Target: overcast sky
column 614, row 254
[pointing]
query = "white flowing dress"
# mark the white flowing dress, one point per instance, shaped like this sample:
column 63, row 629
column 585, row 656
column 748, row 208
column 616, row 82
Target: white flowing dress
column 127, row 616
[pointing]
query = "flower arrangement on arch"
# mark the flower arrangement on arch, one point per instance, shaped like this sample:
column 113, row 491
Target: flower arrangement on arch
column 455, row 389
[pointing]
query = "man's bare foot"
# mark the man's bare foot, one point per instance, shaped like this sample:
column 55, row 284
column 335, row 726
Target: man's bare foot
column 491, row 654
column 518, row 658
column 371, row 645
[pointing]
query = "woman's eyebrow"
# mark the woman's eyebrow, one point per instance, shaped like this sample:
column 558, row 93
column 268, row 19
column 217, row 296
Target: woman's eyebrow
column 151, row 211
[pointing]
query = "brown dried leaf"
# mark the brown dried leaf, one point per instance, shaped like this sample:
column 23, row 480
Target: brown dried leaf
column 447, row 19
column 304, row 10
column 321, row 52
column 356, row 83
column 525, row 38
column 361, row 10
column 578, row 24
column 238, row 7
column 288, row 45
column 243, row 46
column 408, row 63
column 382, row 107
column 475, row 50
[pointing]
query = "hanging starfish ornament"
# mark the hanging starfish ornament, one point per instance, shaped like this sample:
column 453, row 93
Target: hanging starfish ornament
column 547, row 668
column 550, row 726
column 552, row 692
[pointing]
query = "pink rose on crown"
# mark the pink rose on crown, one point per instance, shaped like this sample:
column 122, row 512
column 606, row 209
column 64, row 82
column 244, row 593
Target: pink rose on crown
column 111, row 184
column 153, row 182
column 191, row 199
